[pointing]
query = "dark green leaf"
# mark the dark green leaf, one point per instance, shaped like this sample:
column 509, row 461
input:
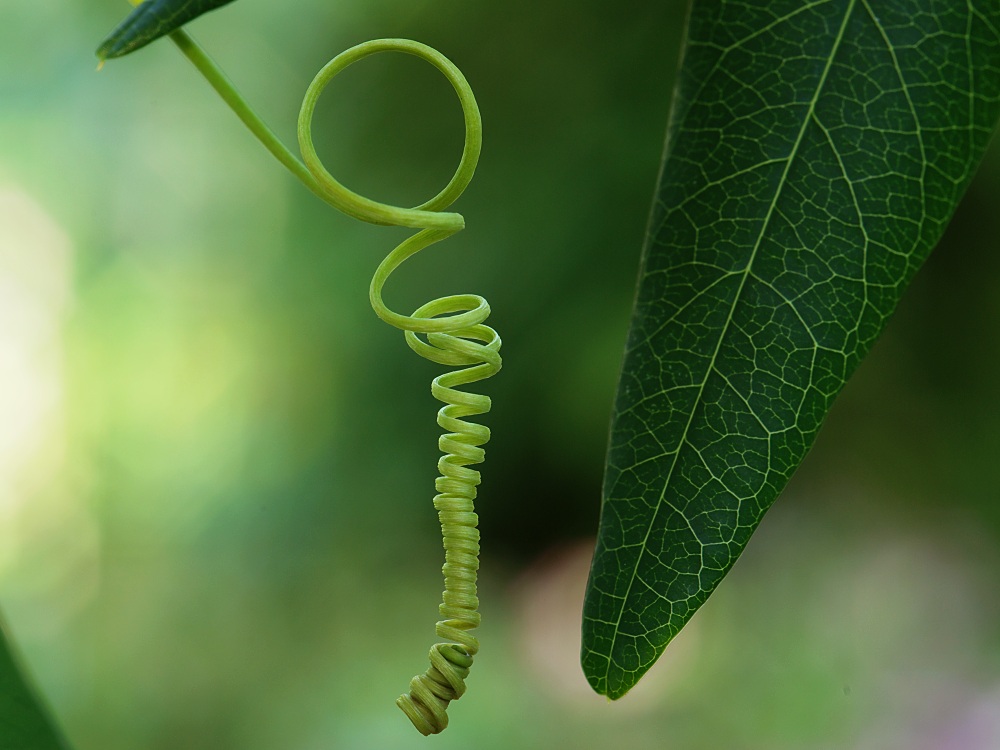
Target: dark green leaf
column 815, row 154
column 150, row 21
column 23, row 724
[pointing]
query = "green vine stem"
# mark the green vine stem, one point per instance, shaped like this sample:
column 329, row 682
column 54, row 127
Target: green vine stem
column 454, row 334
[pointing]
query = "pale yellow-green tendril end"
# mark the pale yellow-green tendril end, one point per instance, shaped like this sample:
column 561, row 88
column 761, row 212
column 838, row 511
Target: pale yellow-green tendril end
column 455, row 336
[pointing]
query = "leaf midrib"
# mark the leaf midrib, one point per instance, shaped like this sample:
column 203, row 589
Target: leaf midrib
column 807, row 118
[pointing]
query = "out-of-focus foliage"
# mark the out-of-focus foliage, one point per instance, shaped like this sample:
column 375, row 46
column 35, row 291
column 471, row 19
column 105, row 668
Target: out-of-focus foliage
column 216, row 532
column 23, row 723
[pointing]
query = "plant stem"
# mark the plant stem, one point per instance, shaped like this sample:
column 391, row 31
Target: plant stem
column 229, row 93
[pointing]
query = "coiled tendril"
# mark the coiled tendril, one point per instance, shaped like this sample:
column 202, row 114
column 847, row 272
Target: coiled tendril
column 456, row 335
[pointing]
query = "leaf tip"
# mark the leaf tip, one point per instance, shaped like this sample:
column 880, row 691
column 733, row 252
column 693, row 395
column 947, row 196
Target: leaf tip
column 106, row 51
column 608, row 678
column 115, row 45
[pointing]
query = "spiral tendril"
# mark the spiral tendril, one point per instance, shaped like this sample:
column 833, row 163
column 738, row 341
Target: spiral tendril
column 454, row 334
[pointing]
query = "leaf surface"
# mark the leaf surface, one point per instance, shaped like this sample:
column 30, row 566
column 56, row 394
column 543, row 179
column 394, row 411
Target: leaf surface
column 815, row 153
column 151, row 20
column 23, row 723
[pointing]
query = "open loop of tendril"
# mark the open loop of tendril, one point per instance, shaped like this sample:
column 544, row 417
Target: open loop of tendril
column 454, row 334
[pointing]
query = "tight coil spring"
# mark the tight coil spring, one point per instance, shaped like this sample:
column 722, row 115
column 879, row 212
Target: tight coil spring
column 455, row 335
column 454, row 327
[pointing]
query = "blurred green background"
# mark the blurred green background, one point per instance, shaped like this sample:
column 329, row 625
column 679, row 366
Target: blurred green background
column 216, row 464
